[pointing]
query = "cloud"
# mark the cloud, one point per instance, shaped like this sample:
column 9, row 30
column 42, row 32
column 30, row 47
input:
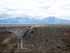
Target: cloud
column 35, row 8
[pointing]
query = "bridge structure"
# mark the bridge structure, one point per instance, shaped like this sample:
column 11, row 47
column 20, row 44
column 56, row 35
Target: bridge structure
column 18, row 29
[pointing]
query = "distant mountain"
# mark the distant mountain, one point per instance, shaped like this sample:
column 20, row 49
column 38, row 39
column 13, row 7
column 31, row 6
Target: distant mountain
column 54, row 20
column 27, row 20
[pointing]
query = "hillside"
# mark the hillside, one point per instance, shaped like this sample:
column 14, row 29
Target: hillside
column 50, row 39
column 39, row 39
column 7, row 41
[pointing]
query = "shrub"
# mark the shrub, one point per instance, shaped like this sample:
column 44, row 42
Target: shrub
column 32, row 32
column 46, row 40
column 58, row 47
column 3, row 46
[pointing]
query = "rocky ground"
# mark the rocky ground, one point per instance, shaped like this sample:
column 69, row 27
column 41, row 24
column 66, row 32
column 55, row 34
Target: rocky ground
column 48, row 39
column 41, row 39
column 7, row 42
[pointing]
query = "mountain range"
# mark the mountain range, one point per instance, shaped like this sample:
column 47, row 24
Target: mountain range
column 27, row 20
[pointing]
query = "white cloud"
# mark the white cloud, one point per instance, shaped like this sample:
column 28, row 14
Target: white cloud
column 40, row 8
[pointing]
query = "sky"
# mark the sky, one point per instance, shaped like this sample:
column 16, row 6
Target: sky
column 38, row 9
